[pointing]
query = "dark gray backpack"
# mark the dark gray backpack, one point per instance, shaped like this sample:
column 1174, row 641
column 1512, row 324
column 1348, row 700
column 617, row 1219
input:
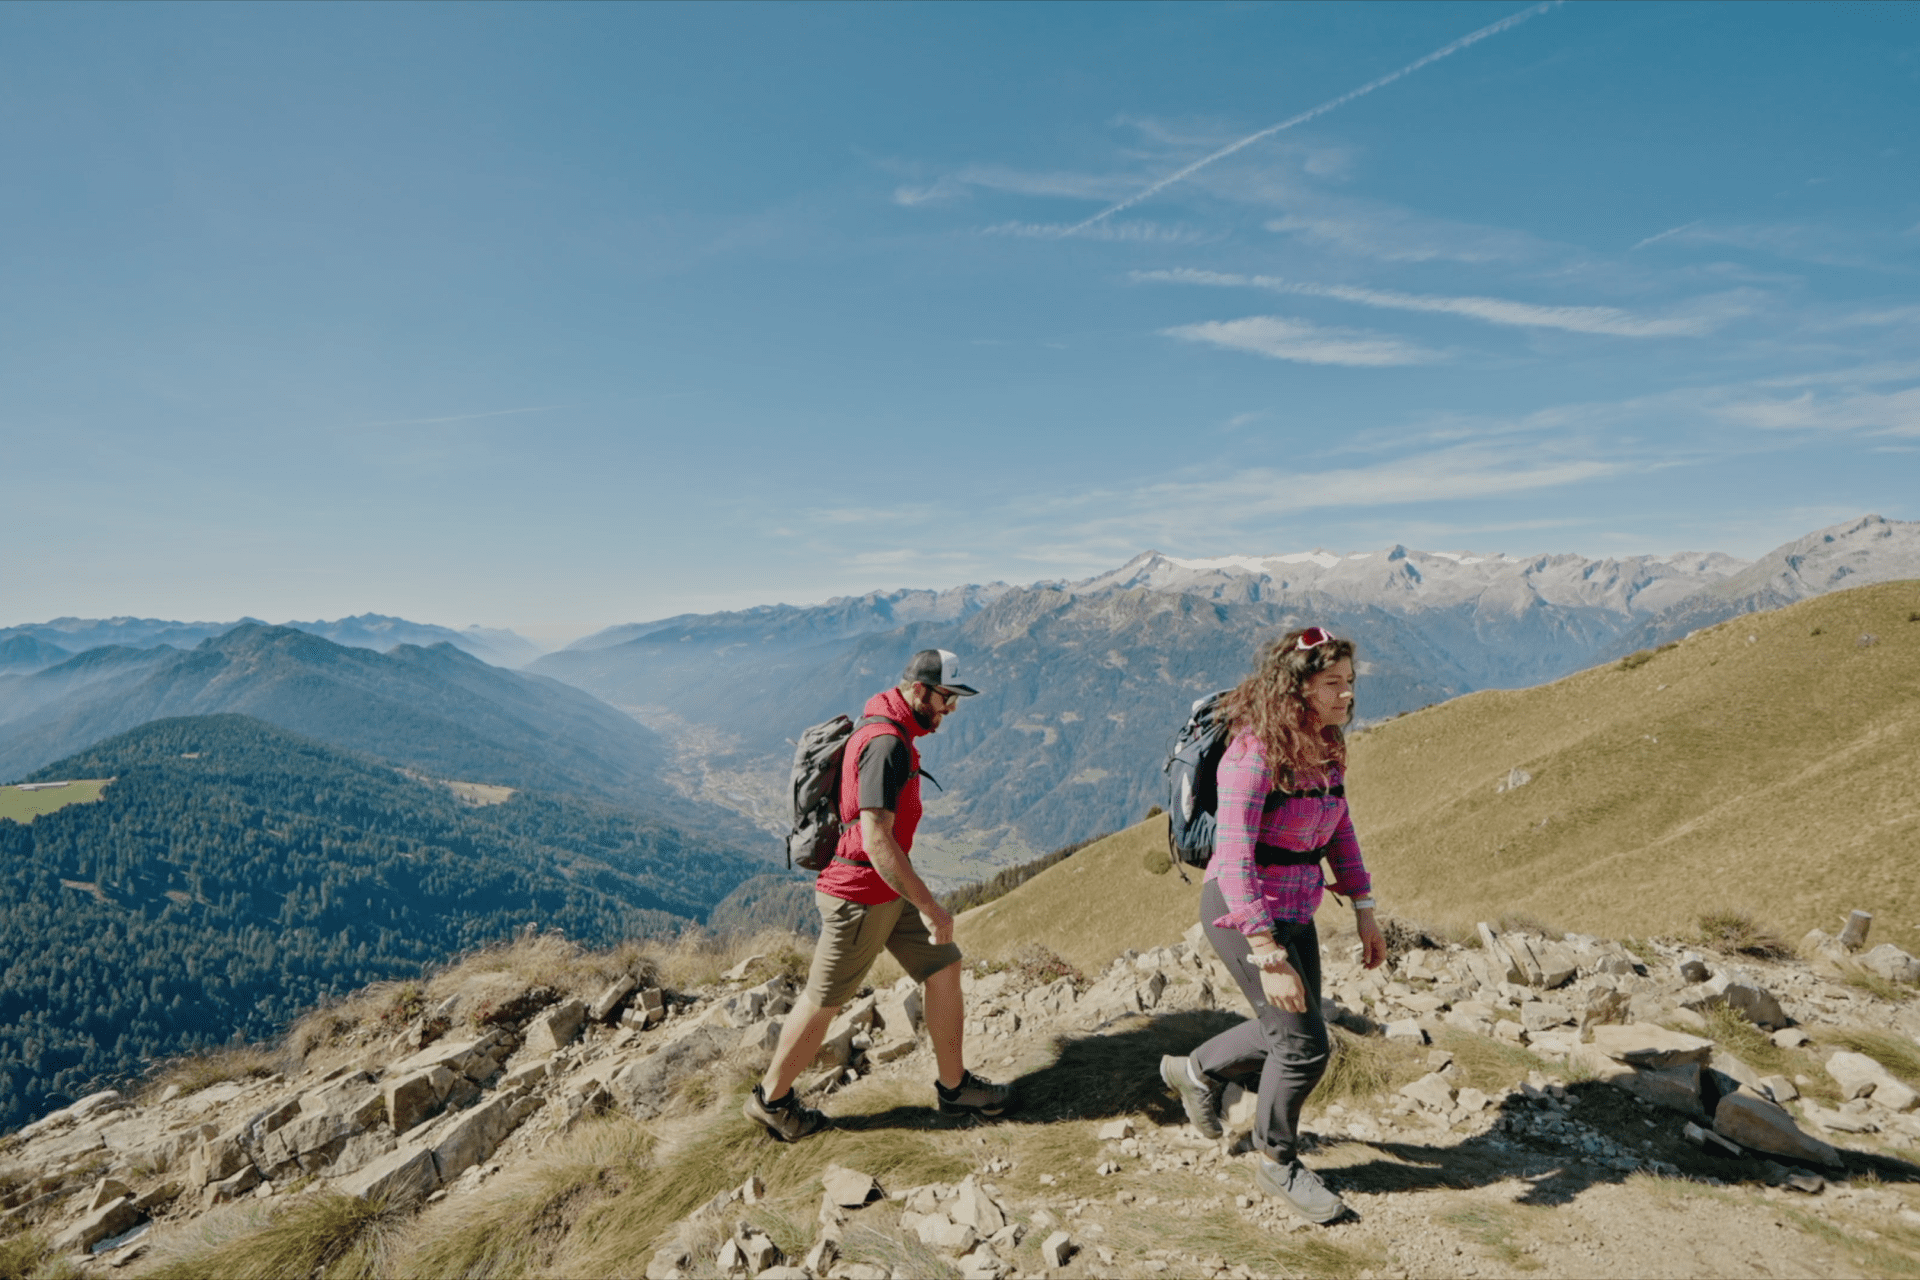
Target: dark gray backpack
column 815, row 786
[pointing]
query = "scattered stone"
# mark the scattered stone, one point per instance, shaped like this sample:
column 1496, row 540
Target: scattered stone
column 1686, row 1018
column 1408, row 1029
column 1779, row 1088
column 1107, row 1168
column 1057, row 1249
column 1430, row 1091
column 1694, row 969
column 1676, row 1088
column 103, row 1223
column 1836, row 1121
column 1115, row 1130
column 609, row 1000
column 974, row 1208
column 556, row 1027
column 849, row 1188
column 731, row 1258
column 761, row 1037
column 1641, row 1044
column 953, row 1238
column 399, row 1178
column 417, row 1097
column 1751, row 1001
column 1895, row 1095
column 1760, row 1125
column 824, row 1253
column 760, row 1252
column 1791, row 1038
column 1538, row 1015
column 1855, row 1073
column 1891, row 963
column 1710, row 1142
column 106, row 1191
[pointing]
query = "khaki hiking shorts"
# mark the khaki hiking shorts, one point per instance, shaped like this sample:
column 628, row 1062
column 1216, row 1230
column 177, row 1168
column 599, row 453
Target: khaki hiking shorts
column 852, row 935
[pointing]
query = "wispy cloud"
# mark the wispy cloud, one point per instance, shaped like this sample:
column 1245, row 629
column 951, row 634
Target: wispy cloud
column 1281, row 338
column 1222, row 153
column 1125, row 232
column 1658, row 236
column 1503, row 311
column 1895, row 413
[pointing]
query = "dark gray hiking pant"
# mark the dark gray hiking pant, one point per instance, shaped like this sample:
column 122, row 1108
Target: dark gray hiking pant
column 1288, row 1050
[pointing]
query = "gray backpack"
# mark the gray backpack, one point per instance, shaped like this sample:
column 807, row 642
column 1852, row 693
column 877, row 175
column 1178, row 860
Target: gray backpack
column 815, row 786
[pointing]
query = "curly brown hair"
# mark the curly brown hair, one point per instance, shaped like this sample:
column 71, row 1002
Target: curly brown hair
column 1272, row 703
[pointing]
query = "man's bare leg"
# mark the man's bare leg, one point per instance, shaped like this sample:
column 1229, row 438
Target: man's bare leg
column 800, row 1039
column 946, row 1024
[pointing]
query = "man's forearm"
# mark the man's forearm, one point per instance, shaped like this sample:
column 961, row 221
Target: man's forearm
column 893, row 866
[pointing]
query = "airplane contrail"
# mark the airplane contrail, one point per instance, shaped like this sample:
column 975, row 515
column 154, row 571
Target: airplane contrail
column 1476, row 37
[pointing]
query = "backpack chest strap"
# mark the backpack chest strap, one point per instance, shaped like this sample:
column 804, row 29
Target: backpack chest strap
column 1281, row 795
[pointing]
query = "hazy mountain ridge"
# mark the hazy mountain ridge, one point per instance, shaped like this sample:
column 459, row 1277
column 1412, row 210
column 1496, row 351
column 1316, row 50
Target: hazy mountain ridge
column 380, row 632
column 1084, row 682
column 438, row 710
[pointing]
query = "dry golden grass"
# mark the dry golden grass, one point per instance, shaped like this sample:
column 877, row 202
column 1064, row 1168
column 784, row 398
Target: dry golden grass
column 194, row 1072
column 326, row 1237
column 1778, row 771
column 1091, row 907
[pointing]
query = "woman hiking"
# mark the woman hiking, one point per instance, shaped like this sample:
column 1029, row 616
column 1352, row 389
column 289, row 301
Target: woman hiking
column 1282, row 809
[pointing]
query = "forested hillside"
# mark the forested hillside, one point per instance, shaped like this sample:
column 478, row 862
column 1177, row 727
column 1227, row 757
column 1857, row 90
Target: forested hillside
column 234, row 874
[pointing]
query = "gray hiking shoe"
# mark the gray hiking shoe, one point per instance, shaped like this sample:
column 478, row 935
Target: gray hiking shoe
column 1202, row 1100
column 786, row 1119
column 974, row 1096
column 1302, row 1190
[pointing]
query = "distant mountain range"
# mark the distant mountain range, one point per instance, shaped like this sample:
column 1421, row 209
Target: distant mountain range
column 1084, row 682
column 437, row 709
column 35, row 645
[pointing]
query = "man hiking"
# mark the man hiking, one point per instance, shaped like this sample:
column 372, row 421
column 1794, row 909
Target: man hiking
column 870, row 897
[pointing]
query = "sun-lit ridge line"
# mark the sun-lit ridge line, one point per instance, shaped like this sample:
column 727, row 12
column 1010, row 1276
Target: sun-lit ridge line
column 1462, row 43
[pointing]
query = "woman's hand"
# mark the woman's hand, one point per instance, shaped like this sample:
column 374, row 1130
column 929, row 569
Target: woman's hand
column 1281, row 985
column 1372, row 944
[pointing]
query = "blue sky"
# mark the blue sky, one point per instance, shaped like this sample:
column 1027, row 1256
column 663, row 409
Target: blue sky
column 555, row 316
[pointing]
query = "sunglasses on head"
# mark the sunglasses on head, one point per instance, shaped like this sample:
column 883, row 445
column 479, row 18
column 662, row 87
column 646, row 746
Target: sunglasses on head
column 1313, row 638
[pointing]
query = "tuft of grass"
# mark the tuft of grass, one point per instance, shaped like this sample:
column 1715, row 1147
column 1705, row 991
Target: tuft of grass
column 515, row 1226
column 21, row 1255
column 1748, row 1043
column 196, row 1071
column 1361, row 1067
column 1872, row 983
column 1638, row 658
column 326, row 1237
column 1487, row 1064
column 1037, row 966
column 1736, row 931
column 1494, row 1227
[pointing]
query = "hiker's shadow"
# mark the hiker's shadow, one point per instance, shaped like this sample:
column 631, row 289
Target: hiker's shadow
column 1114, row 1070
column 1557, row 1166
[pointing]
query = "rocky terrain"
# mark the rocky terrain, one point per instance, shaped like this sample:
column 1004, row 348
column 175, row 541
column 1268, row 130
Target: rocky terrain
column 1509, row 1105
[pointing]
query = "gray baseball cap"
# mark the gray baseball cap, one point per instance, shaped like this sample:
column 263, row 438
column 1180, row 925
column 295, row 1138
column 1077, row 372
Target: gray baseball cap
column 936, row 667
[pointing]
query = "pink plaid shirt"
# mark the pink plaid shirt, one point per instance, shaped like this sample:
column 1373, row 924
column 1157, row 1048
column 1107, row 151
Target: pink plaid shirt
column 1257, row 896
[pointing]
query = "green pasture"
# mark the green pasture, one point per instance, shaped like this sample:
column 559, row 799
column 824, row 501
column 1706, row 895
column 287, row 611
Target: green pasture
column 25, row 806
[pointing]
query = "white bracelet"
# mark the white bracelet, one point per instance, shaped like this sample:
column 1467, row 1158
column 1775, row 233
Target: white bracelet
column 1363, row 904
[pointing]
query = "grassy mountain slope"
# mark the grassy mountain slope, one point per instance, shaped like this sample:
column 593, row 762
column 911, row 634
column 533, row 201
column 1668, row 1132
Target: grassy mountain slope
column 1092, row 906
column 234, row 873
column 1774, row 776
column 1767, row 764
